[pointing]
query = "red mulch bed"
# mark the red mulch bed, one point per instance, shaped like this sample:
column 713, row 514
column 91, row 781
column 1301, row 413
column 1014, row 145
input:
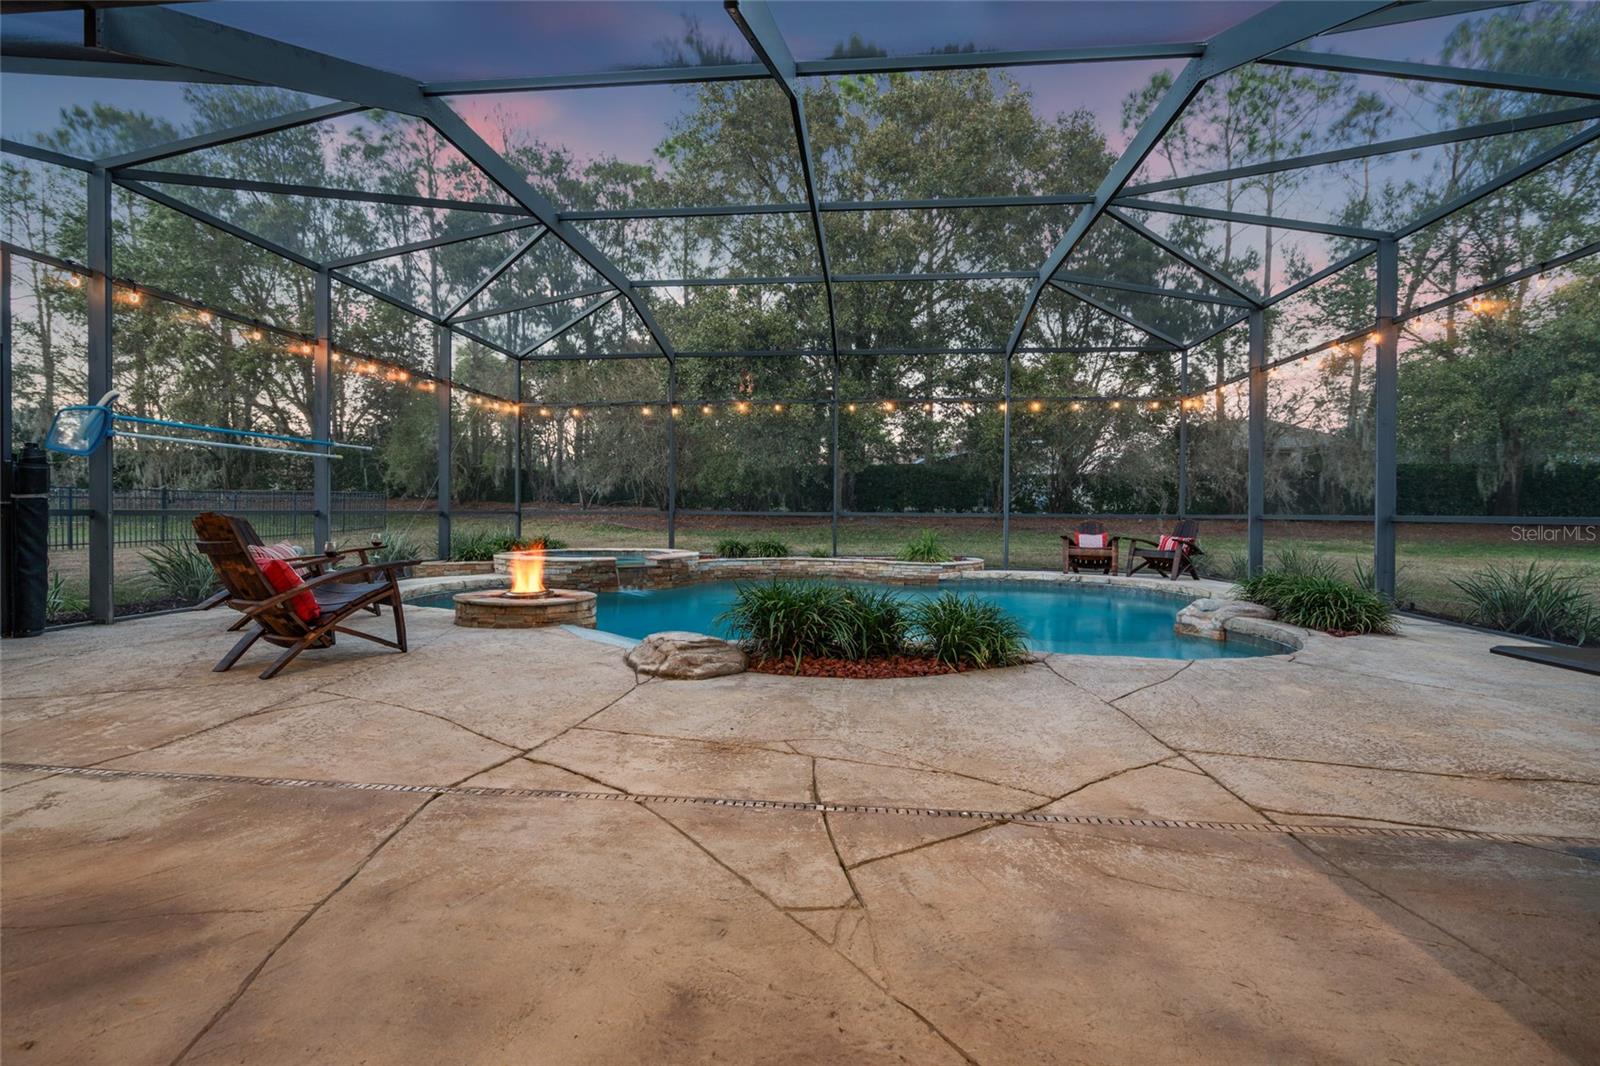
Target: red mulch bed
column 887, row 666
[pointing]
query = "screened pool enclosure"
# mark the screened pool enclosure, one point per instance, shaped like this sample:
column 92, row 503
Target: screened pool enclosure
column 1280, row 264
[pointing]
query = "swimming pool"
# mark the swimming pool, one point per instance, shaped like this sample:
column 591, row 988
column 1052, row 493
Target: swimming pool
column 1074, row 618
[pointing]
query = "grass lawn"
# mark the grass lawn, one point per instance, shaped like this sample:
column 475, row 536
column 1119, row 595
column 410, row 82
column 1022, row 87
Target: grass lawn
column 1429, row 557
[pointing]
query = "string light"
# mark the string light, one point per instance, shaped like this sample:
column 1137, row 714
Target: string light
column 205, row 317
column 851, row 408
column 645, row 411
column 1116, row 405
column 576, row 413
column 777, row 408
column 255, row 335
column 75, row 281
column 1035, row 406
column 742, row 407
column 544, row 412
column 705, row 409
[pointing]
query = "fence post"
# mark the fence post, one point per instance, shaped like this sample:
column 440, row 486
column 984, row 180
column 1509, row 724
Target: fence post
column 164, row 503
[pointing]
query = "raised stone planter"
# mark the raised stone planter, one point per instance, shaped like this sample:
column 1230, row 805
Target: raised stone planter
column 1209, row 617
column 686, row 656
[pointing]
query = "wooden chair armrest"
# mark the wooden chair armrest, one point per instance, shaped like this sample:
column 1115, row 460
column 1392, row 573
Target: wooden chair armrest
column 258, row 606
column 328, row 557
column 1139, row 540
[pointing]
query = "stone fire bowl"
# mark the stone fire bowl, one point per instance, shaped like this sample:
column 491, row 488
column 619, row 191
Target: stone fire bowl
column 495, row 609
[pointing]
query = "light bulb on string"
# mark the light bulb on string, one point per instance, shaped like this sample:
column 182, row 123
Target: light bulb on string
column 1035, row 406
column 705, row 409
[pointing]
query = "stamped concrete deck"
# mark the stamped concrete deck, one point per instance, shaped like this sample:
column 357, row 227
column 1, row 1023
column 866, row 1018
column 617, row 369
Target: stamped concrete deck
column 207, row 901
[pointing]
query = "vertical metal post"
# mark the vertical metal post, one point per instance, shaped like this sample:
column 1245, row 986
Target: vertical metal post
column 442, row 371
column 1258, row 440
column 1005, row 472
column 1386, row 388
column 833, row 453
column 6, row 397
column 516, row 463
column 322, row 410
column 672, row 453
column 1183, row 434
column 102, row 540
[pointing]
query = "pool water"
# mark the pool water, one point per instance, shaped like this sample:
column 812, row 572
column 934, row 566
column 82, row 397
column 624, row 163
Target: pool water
column 1078, row 619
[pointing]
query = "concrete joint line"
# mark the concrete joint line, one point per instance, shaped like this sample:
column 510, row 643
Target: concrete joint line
column 754, row 804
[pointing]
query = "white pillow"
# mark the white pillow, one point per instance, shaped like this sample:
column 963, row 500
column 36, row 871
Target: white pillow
column 1091, row 540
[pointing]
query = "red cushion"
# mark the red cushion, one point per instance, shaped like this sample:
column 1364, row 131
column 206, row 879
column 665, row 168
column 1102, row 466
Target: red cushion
column 1172, row 544
column 283, row 577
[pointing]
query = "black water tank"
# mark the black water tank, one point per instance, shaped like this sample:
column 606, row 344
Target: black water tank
column 27, row 543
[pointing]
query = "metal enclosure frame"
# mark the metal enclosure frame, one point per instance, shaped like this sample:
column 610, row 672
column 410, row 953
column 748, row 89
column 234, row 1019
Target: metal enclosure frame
column 161, row 44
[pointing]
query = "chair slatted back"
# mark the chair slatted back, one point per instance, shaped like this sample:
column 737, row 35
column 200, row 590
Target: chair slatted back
column 1187, row 527
column 225, row 540
column 1091, row 526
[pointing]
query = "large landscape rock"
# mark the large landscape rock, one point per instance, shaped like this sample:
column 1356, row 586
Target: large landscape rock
column 688, row 656
column 1207, row 617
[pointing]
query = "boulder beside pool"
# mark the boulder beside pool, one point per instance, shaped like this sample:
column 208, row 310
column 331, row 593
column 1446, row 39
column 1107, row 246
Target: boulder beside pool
column 1209, row 617
column 685, row 656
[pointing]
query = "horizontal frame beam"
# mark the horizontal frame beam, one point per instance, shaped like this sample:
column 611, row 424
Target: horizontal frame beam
column 528, row 305
column 1501, row 180
column 45, row 155
column 232, row 135
column 1519, row 124
column 317, row 192
column 1116, row 313
column 816, row 68
column 1391, row 68
column 221, row 224
column 1332, row 228
column 592, row 309
column 1149, row 290
column 433, row 242
column 505, row 264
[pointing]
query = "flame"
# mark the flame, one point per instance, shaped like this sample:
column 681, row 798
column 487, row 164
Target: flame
column 527, row 572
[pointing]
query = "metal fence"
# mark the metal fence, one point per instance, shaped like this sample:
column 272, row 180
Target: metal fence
column 160, row 516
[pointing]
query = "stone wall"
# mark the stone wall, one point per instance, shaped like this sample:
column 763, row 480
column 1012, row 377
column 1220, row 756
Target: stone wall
column 889, row 571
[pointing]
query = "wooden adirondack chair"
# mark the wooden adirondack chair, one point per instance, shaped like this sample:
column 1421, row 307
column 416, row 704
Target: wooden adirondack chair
column 226, row 539
column 1172, row 563
column 1075, row 557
